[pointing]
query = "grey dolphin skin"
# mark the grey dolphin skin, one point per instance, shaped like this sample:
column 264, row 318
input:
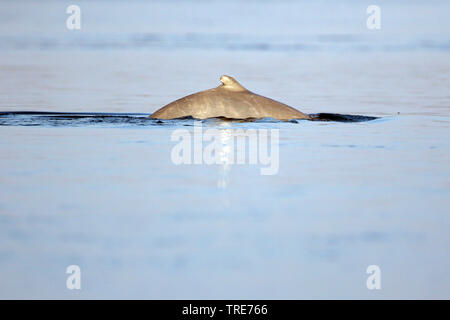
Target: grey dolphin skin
column 229, row 100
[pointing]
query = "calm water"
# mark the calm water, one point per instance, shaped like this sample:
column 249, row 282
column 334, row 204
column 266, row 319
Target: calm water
column 108, row 198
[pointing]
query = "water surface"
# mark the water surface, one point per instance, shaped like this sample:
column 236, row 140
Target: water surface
column 106, row 196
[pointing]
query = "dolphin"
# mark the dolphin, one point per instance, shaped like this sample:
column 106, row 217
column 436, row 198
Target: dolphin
column 228, row 100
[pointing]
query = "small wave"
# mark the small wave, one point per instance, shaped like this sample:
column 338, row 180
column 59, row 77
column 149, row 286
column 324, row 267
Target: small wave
column 97, row 119
column 227, row 42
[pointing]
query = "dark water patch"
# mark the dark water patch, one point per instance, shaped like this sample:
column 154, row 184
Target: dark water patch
column 98, row 119
column 74, row 119
column 340, row 117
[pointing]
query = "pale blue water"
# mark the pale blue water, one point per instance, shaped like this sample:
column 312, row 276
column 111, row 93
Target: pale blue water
column 108, row 198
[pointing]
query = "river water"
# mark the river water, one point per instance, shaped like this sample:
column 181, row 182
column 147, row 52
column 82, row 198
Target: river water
column 106, row 195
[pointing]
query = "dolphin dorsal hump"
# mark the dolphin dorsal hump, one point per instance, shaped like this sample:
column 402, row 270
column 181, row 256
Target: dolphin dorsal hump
column 230, row 83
